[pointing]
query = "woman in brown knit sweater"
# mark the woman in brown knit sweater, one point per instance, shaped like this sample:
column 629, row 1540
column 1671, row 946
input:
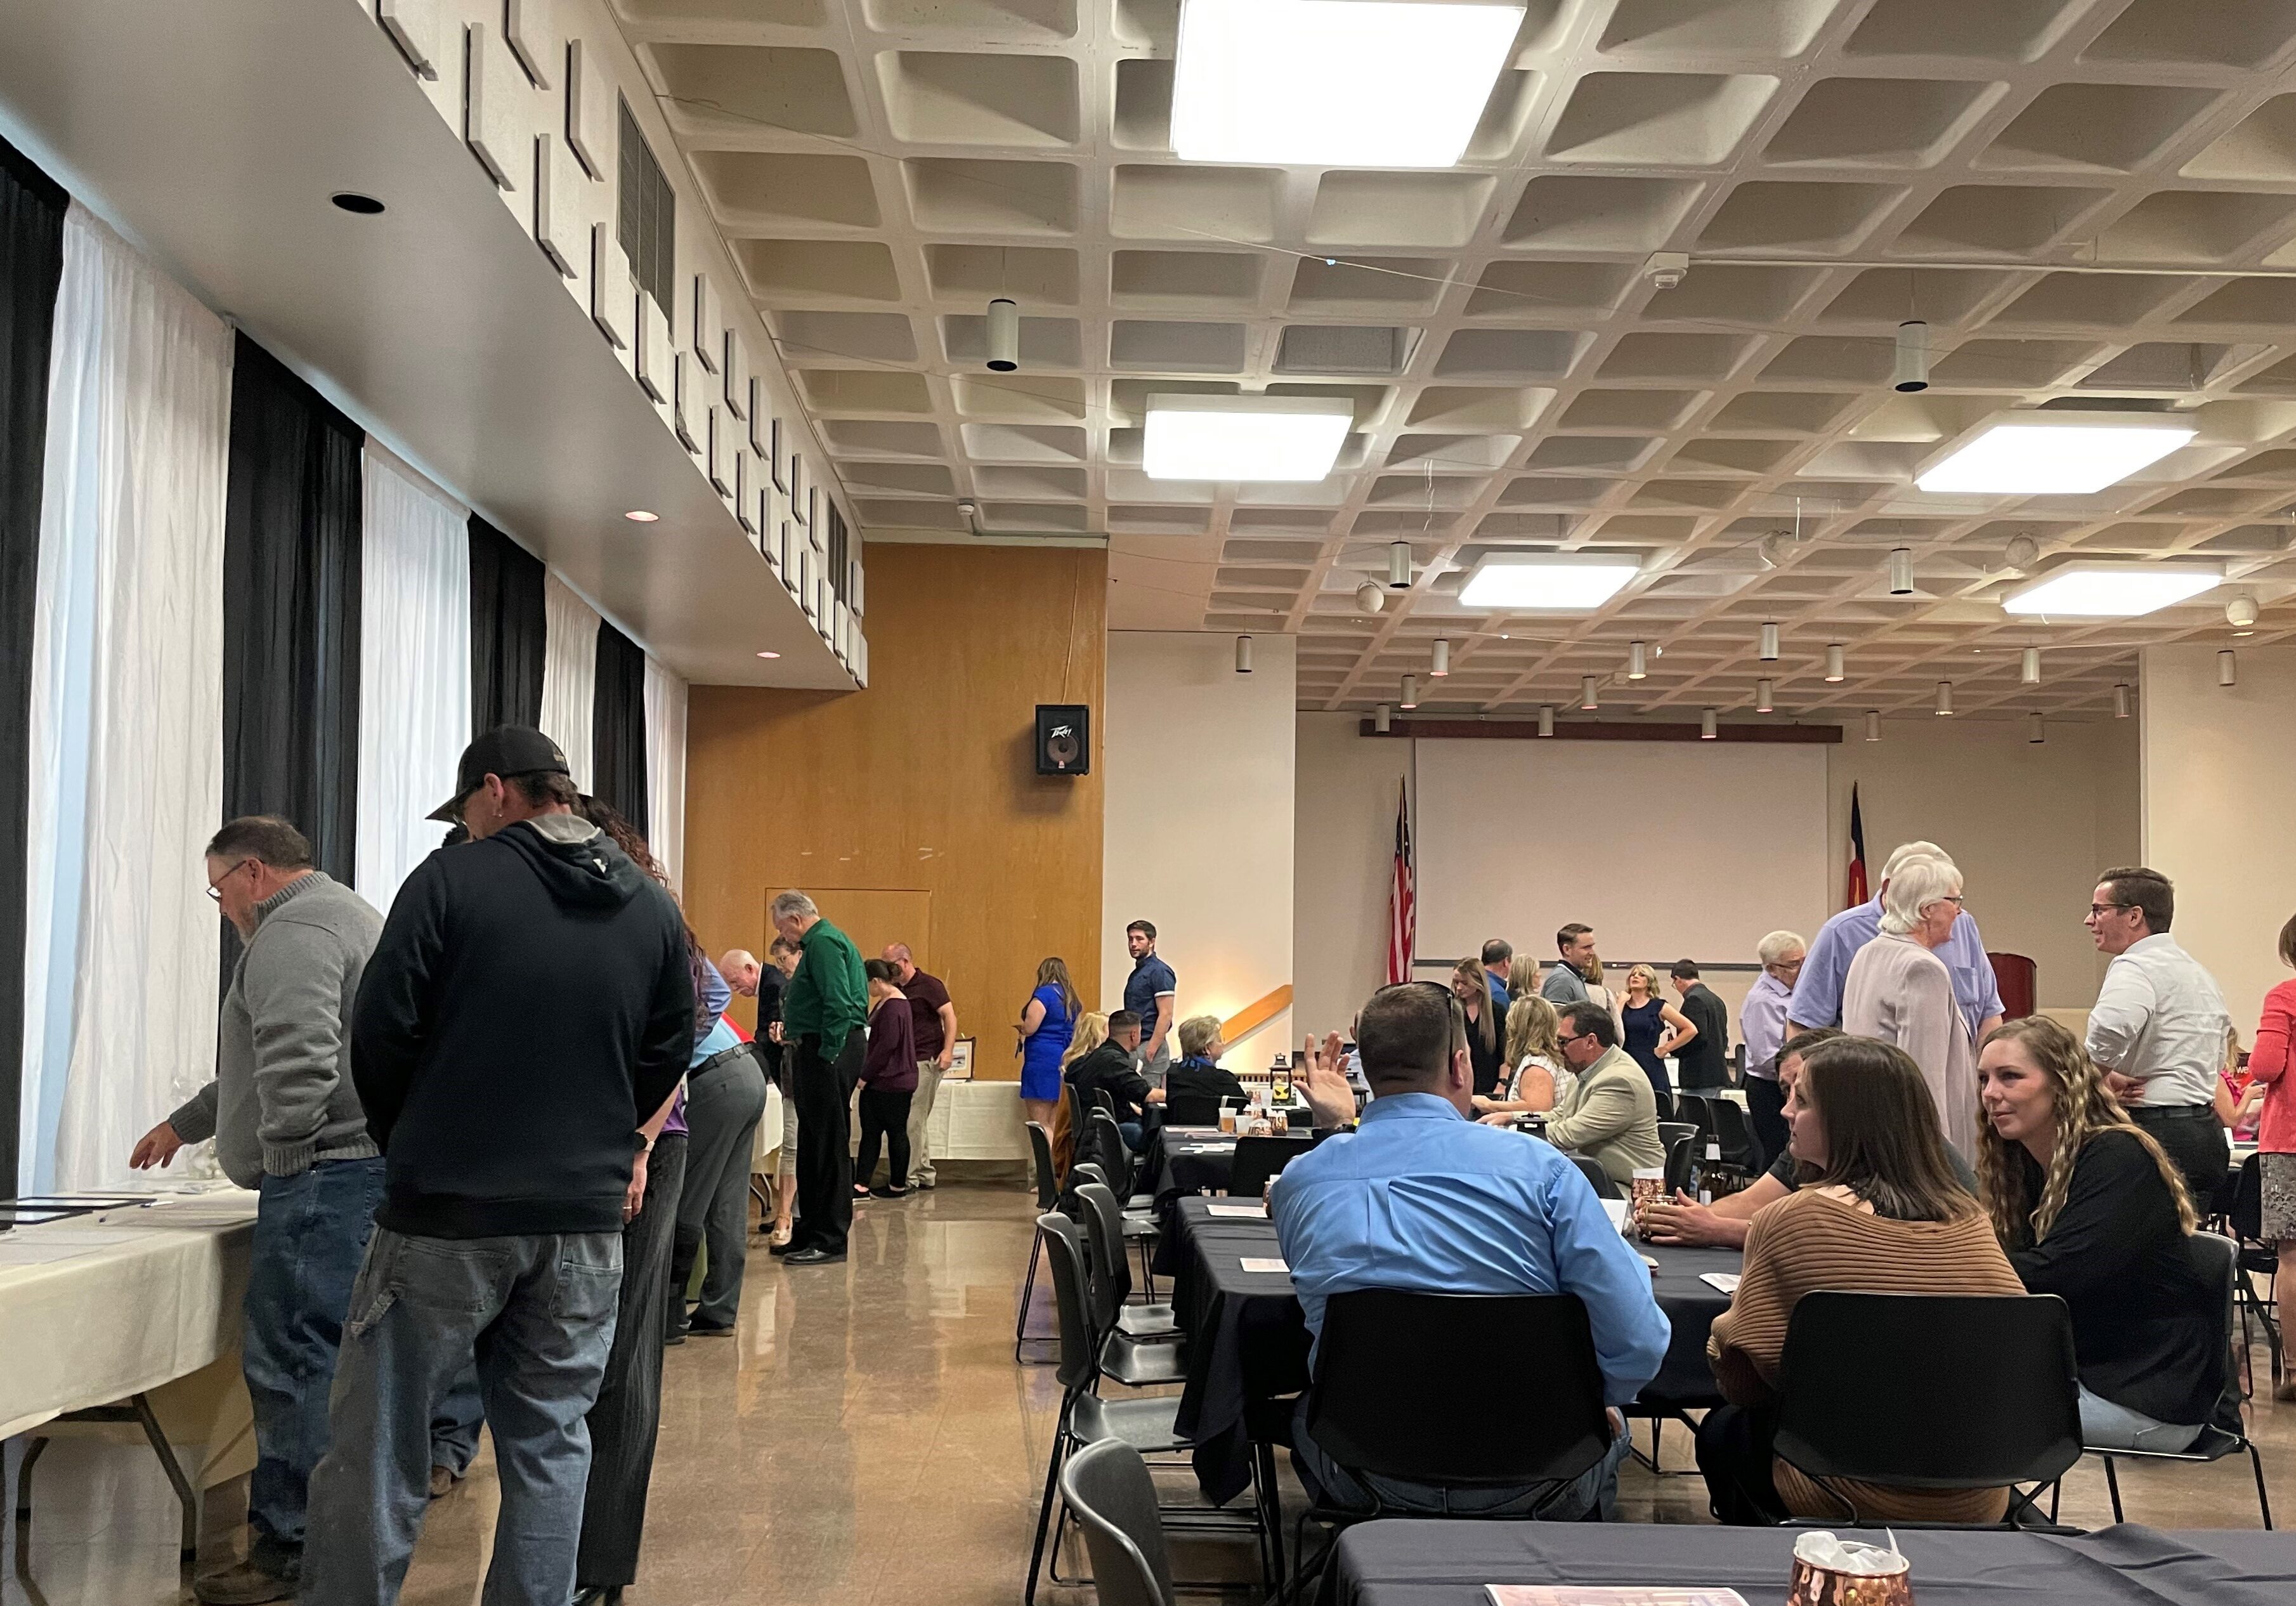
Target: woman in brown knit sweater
column 1884, row 1216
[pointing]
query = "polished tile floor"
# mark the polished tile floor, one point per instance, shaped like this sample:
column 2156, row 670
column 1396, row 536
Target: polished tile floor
column 863, row 1440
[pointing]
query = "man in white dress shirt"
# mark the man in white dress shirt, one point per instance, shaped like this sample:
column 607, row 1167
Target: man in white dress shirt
column 2159, row 1025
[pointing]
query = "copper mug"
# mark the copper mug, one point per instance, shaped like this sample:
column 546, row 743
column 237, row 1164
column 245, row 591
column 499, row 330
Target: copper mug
column 1816, row 1585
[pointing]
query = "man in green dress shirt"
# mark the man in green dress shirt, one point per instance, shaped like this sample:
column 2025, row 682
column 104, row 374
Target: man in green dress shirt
column 825, row 1018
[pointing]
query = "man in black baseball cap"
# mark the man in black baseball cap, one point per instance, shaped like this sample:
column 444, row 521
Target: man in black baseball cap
column 524, row 1018
column 507, row 752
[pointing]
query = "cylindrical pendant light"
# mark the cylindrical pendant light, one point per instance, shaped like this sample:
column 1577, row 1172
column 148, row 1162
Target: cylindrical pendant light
column 1873, row 725
column 1769, row 651
column 1380, row 719
column 1244, row 655
column 1901, row 571
column 1398, row 566
column 1833, row 672
column 1911, row 370
column 1706, row 726
column 1763, row 691
column 1004, row 334
column 2033, row 731
column 1587, row 693
column 1637, row 668
column 1545, row 721
column 2121, row 702
column 1945, row 697
column 1410, row 698
column 2228, row 669
column 2029, row 666
column 1442, row 664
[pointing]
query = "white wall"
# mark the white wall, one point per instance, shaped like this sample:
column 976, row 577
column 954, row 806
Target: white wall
column 1199, row 820
column 2029, row 825
column 2218, row 777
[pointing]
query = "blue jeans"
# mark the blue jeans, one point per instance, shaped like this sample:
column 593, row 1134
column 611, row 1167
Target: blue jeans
column 538, row 1311
column 1596, row 1489
column 2105, row 1426
column 310, row 1232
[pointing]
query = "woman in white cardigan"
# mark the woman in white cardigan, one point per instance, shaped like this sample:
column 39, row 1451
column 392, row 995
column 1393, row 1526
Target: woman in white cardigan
column 1900, row 991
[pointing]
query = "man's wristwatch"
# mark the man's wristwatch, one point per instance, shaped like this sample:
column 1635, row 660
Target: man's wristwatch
column 645, row 1143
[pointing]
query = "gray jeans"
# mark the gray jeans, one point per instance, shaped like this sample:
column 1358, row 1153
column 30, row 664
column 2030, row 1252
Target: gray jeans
column 538, row 1313
column 1153, row 1067
column 722, row 1111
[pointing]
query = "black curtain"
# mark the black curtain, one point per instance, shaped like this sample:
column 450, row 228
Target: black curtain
column 506, row 631
column 31, row 264
column 291, row 608
column 617, row 733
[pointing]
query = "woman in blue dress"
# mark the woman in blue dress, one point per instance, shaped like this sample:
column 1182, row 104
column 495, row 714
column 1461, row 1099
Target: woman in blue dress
column 1653, row 1030
column 1046, row 1023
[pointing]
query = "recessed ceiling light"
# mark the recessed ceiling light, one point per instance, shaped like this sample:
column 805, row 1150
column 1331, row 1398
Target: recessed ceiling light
column 638, row 515
column 768, row 655
column 1241, row 438
column 2104, row 590
column 2054, row 452
column 351, row 201
column 1336, row 83
column 1545, row 582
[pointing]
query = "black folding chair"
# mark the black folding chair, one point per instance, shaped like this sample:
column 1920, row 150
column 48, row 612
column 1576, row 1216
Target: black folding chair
column 1258, row 1159
column 1929, row 1391
column 1668, row 1131
column 1736, row 1135
column 2226, row 1434
column 1125, row 1323
column 1116, row 1159
column 1681, row 1164
column 1040, row 1150
column 1696, row 1109
column 2255, row 1258
column 1379, row 1411
column 1108, row 1488
column 1596, row 1178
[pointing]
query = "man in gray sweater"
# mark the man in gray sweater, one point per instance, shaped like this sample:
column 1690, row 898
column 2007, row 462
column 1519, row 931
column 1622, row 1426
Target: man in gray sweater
column 286, row 1120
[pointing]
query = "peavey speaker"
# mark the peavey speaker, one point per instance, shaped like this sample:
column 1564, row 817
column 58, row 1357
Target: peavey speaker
column 1063, row 739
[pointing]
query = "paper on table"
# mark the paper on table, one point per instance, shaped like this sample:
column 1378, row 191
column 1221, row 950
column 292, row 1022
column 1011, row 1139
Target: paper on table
column 1267, row 1263
column 1578, row 1594
column 1616, row 1209
column 1246, row 1212
column 1724, row 1283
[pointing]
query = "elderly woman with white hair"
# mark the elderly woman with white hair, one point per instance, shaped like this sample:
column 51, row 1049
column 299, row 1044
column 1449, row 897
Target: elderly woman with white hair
column 1901, row 991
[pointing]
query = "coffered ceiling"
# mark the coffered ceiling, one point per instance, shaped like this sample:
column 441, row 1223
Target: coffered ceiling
column 2083, row 199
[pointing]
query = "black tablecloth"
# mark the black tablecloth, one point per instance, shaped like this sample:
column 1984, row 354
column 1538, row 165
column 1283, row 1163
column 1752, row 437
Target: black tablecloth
column 1188, row 1160
column 1248, row 1339
column 1420, row 1563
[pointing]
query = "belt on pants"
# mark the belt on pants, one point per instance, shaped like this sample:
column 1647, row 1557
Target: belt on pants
column 721, row 1057
column 2172, row 1112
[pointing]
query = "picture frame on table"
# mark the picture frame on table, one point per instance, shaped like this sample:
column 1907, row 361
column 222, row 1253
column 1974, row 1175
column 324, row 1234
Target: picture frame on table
column 960, row 1061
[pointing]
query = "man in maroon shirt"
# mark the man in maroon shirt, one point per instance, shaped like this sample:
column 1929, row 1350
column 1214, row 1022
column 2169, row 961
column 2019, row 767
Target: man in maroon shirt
column 934, row 1019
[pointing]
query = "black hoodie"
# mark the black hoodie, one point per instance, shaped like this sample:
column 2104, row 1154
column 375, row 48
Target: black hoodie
column 528, row 1006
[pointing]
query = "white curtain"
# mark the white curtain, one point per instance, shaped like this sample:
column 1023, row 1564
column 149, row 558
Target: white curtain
column 415, row 668
column 665, row 728
column 126, row 735
column 569, row 672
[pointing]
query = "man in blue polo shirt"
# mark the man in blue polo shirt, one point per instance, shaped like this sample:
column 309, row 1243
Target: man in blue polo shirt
column 1151, row 992
column 1421, row 1196
column 1817, row 991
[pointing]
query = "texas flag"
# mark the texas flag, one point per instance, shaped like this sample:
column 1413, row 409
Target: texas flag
column 1858, row 893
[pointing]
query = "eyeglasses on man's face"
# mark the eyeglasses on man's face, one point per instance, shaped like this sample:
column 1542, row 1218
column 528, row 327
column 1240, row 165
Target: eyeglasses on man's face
column 2099, row 910
column 215, row 887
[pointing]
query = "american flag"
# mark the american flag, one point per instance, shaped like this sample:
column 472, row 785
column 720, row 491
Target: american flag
column 1402, row 897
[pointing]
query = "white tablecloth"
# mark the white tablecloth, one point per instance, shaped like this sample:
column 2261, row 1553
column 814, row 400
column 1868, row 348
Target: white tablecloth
column 971, row 1120
column 100, row 1307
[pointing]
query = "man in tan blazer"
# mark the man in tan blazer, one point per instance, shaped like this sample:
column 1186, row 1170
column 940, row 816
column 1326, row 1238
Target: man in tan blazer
column 1612, row 1115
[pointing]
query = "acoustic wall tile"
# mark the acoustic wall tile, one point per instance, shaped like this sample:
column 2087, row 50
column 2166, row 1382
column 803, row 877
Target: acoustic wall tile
column 653, row 354
column 613, row 304
column 745, row 488
column 526, row 29
column 707, row 337
column 860, row 665
column 493, row 87
column 685, row 416
column 717, row 452
column 589, row 109
column 853, row 587
column 559, row 204
column 413, row 25
column 797, row 488
column 808, row 595
column 734, row 369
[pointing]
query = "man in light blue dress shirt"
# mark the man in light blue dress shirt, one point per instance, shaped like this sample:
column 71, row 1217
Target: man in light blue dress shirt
column 1818, row 992
column 1421, row 1197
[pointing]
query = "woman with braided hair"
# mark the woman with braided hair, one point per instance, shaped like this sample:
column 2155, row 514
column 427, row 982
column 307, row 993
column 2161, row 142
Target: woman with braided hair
column 2090, row 1210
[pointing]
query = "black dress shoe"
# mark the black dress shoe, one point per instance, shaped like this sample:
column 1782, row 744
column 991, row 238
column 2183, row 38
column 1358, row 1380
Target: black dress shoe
column 889, row 1192
column 599, row 1594
column 710, row 1330
column 791, row 1248
column 814, row 1257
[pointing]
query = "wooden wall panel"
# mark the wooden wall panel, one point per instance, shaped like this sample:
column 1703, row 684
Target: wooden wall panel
column 925, row 782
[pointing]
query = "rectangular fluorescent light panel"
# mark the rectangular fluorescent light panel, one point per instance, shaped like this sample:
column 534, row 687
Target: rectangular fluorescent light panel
column 1336, row 83
column 1541, row 582
column 1241, row 438
column 2055, row 454
column 2116, row 591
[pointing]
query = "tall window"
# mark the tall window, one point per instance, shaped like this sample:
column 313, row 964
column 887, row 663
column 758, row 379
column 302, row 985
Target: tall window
column 647, row 223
